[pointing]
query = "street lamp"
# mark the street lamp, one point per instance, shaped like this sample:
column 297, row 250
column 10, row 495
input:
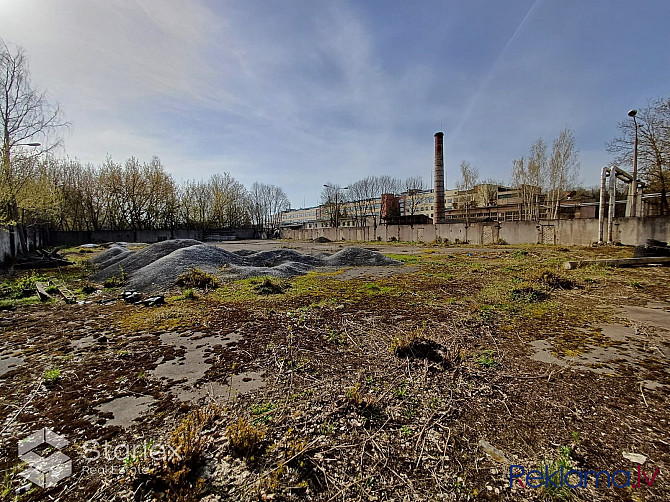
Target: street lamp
column 28, row 144
column 337, row 207
column 633, row 188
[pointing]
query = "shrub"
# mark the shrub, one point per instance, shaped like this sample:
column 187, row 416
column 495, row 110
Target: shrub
column 245, row 439
column 269, row 287
column 196, row 278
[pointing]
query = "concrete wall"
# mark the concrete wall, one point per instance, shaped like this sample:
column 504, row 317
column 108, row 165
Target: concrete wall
column 10, row 243
column 580, row 232
column 5, row 245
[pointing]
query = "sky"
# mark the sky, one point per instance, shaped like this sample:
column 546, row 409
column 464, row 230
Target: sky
column 302, row 93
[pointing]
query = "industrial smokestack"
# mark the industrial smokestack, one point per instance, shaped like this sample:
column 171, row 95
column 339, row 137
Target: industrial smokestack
column 438, row 207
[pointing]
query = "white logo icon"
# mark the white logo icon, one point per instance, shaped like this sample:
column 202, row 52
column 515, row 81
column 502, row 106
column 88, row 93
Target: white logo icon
column 45, row 471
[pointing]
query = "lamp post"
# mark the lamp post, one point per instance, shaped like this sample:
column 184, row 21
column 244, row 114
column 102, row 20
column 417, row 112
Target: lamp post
column 633, row 188
column 337, row 207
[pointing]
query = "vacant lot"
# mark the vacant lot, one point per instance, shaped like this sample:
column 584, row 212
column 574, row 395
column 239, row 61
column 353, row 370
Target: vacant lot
column 425, row 381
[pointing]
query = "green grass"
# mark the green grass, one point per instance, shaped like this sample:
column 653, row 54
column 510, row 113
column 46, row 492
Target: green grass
column 405, row 258
column 51, row 375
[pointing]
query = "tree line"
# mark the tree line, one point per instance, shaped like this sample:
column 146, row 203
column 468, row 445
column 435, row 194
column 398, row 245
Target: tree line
column 68, row 195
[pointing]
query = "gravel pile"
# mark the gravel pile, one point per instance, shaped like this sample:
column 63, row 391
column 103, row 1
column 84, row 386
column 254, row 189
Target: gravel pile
column 162, row 273
column 135, row 260
column 157, row 267
column 357, row 257
column 110, row 256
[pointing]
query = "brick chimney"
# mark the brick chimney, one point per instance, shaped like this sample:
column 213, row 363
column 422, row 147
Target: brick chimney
column 438, row 208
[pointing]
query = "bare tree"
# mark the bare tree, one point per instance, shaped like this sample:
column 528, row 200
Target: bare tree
column 332, row 198
column 653, row 124
column 267, row 202
column 469, row 178
column 528, row 175
column 26, row 116
column 414, row 188
column 356, row 197
column 563, row 171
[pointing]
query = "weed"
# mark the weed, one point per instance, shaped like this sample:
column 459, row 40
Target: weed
column 375, row 289
column 245, row 439
column 575, row 437
column 406, row 431
column 115, row 281
column 175, row 472
column 401, row 391
column 528, row 294
column 196, row 278
column 486, row 359
column 269, row 287
column 562, row 460
column 335, row 337
column 404, row 258
column 189, row 294
column 52, row 290
column 356, row 397
column 23, row 287
column 51, row 375
column 88, row 287
column 636, row 284
column 263, row 412
column 326, row 429
column 555, row 281
column 142, row 375
column 7, row 484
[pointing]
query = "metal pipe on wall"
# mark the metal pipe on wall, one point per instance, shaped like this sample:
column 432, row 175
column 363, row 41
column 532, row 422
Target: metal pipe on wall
column 601, row 213
column 610, row 218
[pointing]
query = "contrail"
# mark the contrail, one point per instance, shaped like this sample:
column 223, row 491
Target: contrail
column 494, row 68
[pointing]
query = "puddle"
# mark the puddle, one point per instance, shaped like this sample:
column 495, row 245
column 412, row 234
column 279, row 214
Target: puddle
column 629, row 345
column 617, row 332
column 83, row 343
column 125, row 409
column 655, row 317
column 8, row 364
column 188, row 369
column 658, row 305
column 246, row 382
column 234, row 386
column 652, row 384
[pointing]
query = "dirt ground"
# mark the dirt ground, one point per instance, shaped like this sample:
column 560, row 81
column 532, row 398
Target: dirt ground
column 427, row 381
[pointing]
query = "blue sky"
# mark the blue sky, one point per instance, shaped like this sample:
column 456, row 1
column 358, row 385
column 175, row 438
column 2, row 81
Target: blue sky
column 299, row 93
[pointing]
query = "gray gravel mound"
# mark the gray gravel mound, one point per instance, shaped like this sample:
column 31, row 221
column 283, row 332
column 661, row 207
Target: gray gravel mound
column 283, row 270
column 275, row 257
column 107, row 254
column 358, row 257
column 157, row 267
column 162, row 273
column 138, row 259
